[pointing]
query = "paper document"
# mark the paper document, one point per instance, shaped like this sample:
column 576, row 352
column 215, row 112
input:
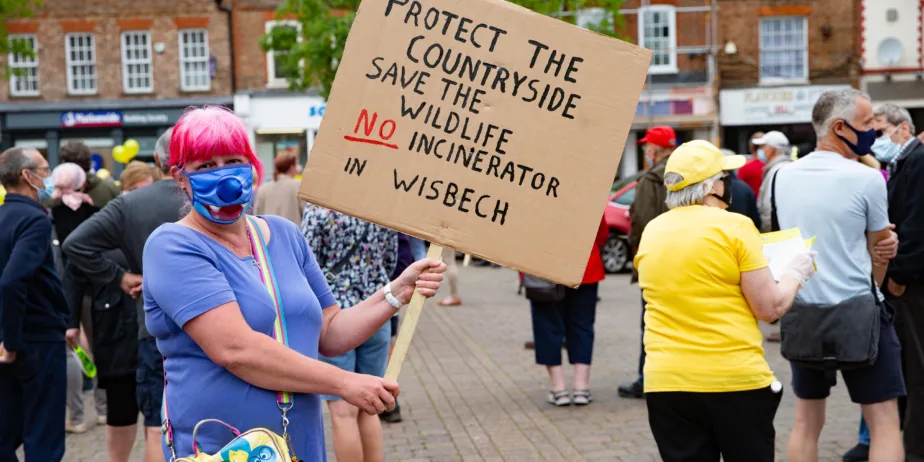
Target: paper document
column 781, row 246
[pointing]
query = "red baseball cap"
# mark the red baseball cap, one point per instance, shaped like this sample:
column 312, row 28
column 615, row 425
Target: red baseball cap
column 663, row 136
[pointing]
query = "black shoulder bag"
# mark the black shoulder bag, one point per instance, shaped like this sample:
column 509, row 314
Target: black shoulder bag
column 334, row 271
column 540, row 290
column 831, row 337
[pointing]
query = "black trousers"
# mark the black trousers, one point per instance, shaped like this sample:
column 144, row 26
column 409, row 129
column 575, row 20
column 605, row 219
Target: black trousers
column 909, row 324
column 701, row 427
column 33, row 391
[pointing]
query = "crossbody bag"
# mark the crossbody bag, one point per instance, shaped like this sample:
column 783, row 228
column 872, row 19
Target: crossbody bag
column 334, row 271
column 830, row 337
column 540, row 290
column 257, row 443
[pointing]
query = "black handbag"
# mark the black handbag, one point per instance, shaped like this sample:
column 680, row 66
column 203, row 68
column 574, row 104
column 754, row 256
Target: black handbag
column 540, row 290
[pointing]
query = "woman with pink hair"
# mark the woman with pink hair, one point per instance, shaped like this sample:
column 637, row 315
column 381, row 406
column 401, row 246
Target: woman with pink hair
column 236, row 348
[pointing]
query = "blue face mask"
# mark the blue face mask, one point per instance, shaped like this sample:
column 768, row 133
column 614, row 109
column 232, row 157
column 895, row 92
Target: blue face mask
column 48, row 183
column 762, row 155
column 221, row 187
column 885, row 149
column 865, row 140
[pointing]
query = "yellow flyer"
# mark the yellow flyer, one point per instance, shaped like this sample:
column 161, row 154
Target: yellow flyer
column 780, row 246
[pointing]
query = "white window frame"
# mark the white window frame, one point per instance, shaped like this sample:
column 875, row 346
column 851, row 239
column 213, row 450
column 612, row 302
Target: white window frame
column 205, row 59
column 271, row 80
column 671, row 12
column 128, row 62
column 27, row 64
column 772, row 80
column 70, row 64
column 587, row 17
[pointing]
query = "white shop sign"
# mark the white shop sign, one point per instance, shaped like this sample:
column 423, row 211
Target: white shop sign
column 772, row 105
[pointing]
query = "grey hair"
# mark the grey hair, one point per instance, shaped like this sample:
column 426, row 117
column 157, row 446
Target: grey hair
column 834, row 105
column 693, row 194
column 12, row 162
column 894, row 114
column 162, row 151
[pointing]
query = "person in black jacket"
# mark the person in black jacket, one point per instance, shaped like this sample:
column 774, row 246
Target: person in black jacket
column 33, row 315
column 903, row 153
column 743, row 199
column 125, row 224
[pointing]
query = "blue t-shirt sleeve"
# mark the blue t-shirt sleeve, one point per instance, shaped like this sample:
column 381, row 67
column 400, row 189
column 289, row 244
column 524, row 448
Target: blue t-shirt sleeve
column 181, row 276
column 313, row 273
column 877, row 204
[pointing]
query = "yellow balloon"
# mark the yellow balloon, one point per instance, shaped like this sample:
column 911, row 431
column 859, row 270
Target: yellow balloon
column 2, row 194
column 103, row 174
column 119, row 155
column 131, row 148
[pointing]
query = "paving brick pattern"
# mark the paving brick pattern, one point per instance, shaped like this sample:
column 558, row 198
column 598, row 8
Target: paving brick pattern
column 471, row 392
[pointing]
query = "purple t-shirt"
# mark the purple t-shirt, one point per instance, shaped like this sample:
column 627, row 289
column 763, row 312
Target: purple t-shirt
column 186, row 274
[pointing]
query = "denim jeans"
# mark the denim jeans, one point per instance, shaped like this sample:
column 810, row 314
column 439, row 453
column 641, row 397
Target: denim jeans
column 570, row 320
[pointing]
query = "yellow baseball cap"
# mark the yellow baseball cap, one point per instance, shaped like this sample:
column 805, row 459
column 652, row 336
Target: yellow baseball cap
column 699, row 160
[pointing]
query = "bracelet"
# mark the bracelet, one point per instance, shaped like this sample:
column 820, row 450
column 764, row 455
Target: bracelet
column 391, row 299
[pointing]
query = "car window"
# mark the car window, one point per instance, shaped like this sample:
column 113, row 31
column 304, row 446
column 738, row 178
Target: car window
column 626, row 198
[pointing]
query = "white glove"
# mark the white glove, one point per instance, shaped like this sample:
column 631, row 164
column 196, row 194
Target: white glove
column 802, row 266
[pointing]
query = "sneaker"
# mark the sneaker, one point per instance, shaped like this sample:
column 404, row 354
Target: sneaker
column 582, row 397
column 560, row 398
column 632, row 390
column 75, row 428
column 392, row 416
column 859, row 453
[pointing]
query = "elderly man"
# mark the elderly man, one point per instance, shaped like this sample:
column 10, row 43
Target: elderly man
column 125, row 224
column 650, row 194
column 828, row 194
column 33, row 315
column 773, row 148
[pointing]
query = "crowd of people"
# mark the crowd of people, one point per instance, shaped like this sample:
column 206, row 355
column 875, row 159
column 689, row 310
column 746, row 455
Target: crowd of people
column 194, row 273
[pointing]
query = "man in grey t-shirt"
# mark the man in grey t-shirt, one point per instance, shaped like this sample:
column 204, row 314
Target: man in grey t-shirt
column 829, row 195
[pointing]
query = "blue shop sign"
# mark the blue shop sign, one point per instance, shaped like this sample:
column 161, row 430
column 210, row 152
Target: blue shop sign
column 75, row 119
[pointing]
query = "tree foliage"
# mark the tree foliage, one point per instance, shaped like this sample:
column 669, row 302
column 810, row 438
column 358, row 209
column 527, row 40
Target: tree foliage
column 309, row 57
column 15, row 9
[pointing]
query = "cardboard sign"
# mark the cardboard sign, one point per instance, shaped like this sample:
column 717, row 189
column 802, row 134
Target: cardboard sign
column 479, row 125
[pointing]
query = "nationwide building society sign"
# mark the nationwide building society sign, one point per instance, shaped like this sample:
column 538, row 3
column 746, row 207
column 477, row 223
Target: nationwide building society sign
column 73, row 119
column 772, row 105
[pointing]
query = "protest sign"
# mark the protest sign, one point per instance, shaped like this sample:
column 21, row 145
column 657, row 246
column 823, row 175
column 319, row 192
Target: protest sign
column 478, row 125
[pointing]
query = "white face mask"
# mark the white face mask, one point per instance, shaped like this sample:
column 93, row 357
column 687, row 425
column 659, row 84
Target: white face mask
column 885, row 149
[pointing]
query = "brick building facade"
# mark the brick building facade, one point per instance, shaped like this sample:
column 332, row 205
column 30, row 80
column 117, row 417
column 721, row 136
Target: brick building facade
column 109, row 70
column 777, row 57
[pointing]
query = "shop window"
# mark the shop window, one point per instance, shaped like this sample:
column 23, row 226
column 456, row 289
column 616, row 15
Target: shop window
column 24, row 69
column 136, row 62
column 194, row 60
column 657, row 31
column 276, row 74
column 783, row 49
column 80, row 50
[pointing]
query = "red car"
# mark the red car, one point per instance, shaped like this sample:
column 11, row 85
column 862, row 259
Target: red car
column 616, row 253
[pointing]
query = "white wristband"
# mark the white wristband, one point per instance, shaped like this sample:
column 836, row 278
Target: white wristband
column 391, row 299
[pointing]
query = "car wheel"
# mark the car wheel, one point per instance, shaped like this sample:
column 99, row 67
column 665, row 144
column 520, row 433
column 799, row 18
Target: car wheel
column 615, row 254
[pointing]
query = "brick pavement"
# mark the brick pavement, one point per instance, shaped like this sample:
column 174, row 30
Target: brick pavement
column 471, row 392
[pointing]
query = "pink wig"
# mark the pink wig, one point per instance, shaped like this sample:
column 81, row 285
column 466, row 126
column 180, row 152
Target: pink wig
column 207, row 132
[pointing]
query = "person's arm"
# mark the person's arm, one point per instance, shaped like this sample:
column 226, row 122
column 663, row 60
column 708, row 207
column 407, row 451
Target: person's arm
column 878, row 229
column 182, row 280
column 102, row 232
column 345, row 330
column 767, row 299
column 29, row 252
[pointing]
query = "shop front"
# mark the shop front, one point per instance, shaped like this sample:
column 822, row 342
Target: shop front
column 102, row 125
column 785, row 109
column 280, row 123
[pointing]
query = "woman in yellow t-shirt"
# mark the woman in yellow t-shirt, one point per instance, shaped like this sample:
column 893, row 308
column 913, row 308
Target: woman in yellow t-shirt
column 709, row 390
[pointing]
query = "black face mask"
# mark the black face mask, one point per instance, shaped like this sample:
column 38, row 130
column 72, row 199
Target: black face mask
column 726, row 196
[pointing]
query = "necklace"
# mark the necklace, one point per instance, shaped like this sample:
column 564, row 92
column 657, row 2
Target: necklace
column 252, row 257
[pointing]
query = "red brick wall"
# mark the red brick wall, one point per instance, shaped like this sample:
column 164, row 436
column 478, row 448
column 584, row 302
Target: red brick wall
column 107, row 19
column 832, row 59
column 691, row 30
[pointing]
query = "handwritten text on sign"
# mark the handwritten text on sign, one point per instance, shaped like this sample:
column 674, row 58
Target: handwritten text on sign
column 500, row 118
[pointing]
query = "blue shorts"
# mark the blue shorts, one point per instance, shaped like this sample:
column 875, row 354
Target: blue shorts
column 149, row 381
column 880, row 382
column 370, row 358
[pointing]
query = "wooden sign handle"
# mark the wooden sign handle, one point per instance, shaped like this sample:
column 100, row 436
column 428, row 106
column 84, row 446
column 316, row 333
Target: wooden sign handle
column 409, row 325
